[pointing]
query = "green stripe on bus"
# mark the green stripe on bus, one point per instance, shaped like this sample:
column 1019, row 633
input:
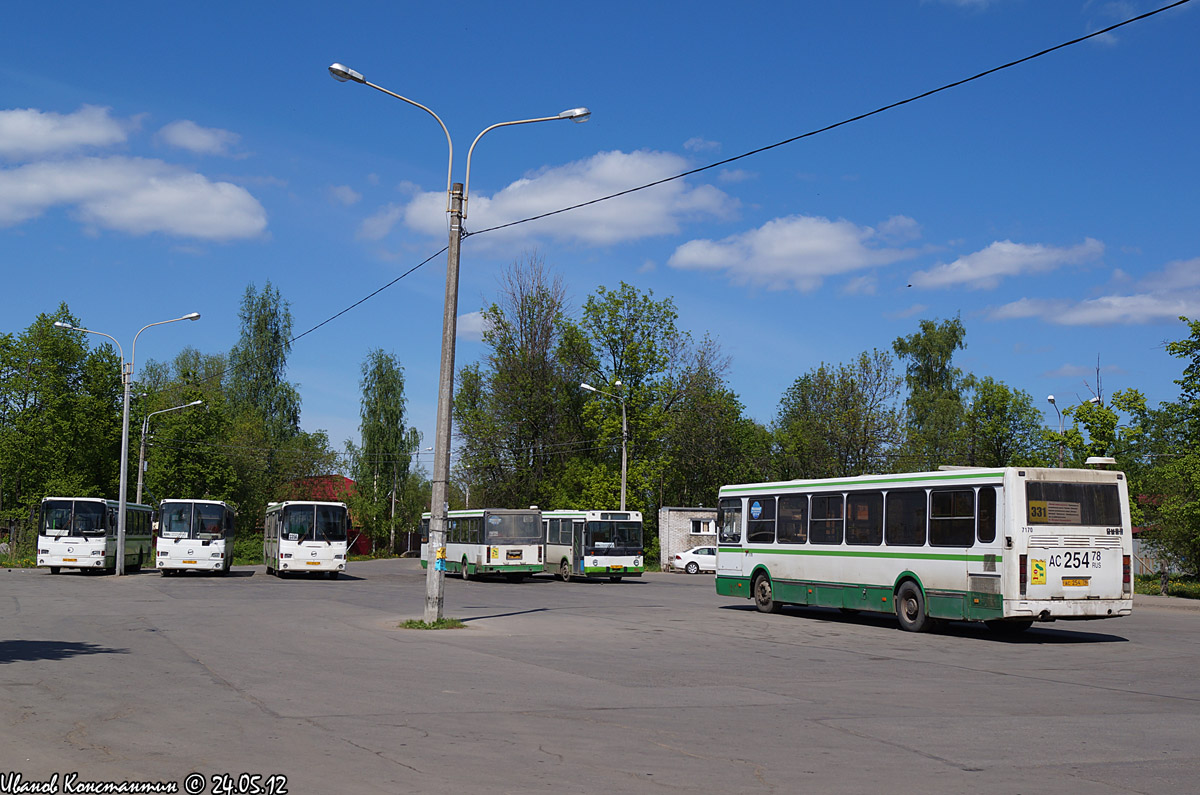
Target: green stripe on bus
column 825, row 485
column 839, row 553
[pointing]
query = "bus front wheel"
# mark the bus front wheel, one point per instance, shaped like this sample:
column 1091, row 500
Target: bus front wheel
column 910, row 609
column 564, row 571
column 764, row 600
column 55, row 569
column 466, row 575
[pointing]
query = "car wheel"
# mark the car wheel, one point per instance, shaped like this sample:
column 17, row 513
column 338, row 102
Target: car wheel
column 692, row 568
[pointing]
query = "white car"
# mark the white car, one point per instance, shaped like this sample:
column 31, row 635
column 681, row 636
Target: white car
column 696, row 560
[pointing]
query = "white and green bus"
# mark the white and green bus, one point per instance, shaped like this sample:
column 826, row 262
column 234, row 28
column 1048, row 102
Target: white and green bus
column 81, row 533
column 593, row 544
column 194, row 534
column 305, row 536
column 490, row 541
column 1007, row 546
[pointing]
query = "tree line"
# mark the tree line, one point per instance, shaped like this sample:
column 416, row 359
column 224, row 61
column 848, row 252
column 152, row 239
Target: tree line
column 528, row 433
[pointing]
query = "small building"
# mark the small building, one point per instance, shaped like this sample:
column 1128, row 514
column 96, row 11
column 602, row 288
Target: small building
column 681, row 529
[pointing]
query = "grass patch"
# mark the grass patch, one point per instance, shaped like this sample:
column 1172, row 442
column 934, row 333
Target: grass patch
column 1177, row 585
column 441, row 623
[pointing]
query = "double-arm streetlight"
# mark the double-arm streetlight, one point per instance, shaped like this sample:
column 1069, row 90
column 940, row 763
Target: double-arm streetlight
column 1050, row 399
column 142, row 446
column 624, row 429
column 126, row 379
column 456, row 205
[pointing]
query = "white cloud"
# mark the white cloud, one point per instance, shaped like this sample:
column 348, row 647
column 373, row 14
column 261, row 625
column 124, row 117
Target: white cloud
column 132, row 195
column 984, row 269
column 470, row 327
column 899, row 229
column 861, row 285
column 33, row 133
column 1177, row 275
column 188, row 135
column 1082, row 371
column 734, row 175
column 1109, row 310
column 344, row 194
column 700, row 145
column 797, row 251
column 911, row 311
column 652, row 212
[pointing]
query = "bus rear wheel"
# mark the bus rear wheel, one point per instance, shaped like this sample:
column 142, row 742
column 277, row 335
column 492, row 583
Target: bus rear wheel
column 55, row 569
column 466, row 574
column 564, row 570
column 764, row 599
column 910, row 609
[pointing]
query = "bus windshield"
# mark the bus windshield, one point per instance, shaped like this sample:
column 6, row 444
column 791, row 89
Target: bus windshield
column 71, row 518
column 175, row 520
column 209, row 521
column 614, row 537
column 513, row 528
column 314, row 523
column 1073, row 504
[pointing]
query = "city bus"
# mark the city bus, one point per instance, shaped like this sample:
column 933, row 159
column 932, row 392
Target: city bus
column 490, row 541
column 81, row 533
column 1006, row 546
column 305, row 536
column 593, row 544
column 194, row 534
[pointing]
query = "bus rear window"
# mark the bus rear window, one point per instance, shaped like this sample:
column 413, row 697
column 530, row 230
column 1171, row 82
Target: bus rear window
column 1072, row 504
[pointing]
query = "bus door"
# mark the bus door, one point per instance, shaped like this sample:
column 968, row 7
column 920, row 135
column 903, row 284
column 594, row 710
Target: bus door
column 730, row 554
column 578, row 531
column 985, row 560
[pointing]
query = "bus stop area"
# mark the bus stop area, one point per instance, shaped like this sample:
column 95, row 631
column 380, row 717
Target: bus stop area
column 249, row 683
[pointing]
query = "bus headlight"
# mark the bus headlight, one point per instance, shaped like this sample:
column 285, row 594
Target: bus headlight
column 217, row 555
column 97, row 551
column 339, row 557
column 43, row 552
column 285, row 554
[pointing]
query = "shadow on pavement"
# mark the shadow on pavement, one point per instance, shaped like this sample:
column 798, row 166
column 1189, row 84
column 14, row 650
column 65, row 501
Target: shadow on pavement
column 32, row 650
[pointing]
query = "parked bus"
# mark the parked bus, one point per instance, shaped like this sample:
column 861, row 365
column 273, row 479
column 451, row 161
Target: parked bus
column 194, row 534
column 81, row 533
column 305, row 536
column 490, row 541
column 1005, row 546
column 593, row 544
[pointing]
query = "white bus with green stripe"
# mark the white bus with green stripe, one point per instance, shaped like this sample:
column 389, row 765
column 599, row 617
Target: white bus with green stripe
column 594, row 544
column 490, row 541
column 1007, row 546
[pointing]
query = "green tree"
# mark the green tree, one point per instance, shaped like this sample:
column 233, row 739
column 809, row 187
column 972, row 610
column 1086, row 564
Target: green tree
column 381, row 462
column 1003, row 427
column 934, row 409
column 839, row 421
column 1172, row 485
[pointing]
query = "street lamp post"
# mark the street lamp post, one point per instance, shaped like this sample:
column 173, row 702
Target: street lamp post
column 142, row 445
column 1060, row 429
column 126, row 378
column 456, row 196
column 624, row 431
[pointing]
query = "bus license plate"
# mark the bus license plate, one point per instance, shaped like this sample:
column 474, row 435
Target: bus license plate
column 616, row 568
column 70, row 560
column 190, row 562
column 1075, row 581
column 312, row 563
column 513, row 554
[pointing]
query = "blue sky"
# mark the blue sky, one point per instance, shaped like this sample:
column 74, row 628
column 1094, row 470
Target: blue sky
column 155, row 158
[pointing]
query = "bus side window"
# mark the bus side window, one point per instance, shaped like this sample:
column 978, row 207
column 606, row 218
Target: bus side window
column 987, row 514
column 864, row 518
column 793, row 519
column 760, row 524
column 905, row 518
column 729, row 520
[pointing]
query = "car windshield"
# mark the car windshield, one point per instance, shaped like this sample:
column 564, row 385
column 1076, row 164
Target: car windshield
column 73, row 518
column 513, row 528
column 618, row 538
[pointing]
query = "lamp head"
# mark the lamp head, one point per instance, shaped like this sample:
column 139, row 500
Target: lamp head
column 196, row 403
column 588, row 387
column 60, row 324
column 577, row 115
column 343, row 73
column 191, row 316
column 1051, row 399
